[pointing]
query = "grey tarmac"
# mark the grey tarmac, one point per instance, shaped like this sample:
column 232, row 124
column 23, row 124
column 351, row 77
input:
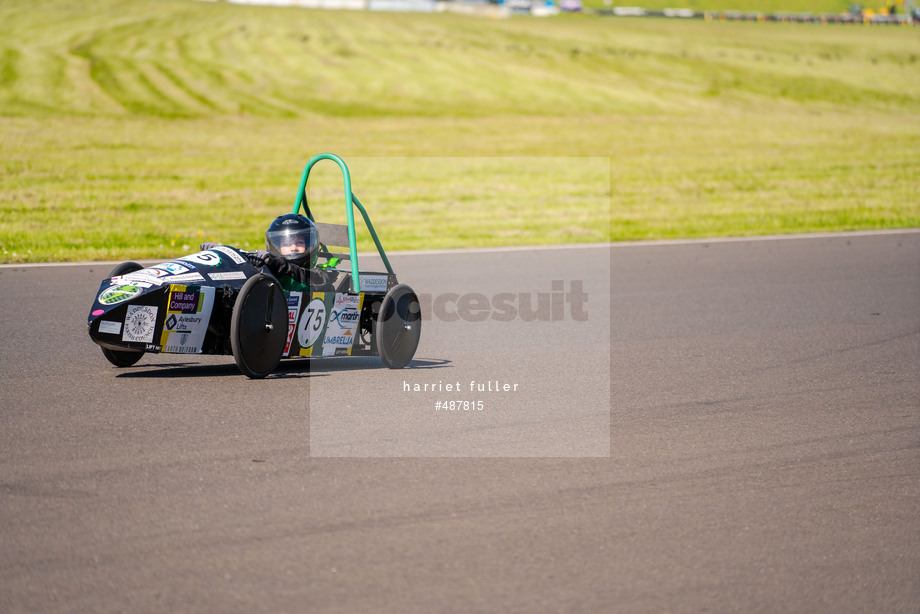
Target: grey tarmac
column 735, row 426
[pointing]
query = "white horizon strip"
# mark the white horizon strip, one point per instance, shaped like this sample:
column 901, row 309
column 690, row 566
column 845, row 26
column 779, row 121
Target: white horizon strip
column 520, row 248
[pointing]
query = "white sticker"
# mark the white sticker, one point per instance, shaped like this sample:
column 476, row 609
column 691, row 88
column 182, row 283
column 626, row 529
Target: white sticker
column 154, row 272
column 293, row 306
column 343, row 300
column 141, row 281
column 144, row 275
column 343, row 322
column 311, row 323
column 373, row 283
column 229, row 252
column 226, row 276
column 207, row 258
column 169, row 268
column 186, row 277
column 109, row 327
column 140, row 322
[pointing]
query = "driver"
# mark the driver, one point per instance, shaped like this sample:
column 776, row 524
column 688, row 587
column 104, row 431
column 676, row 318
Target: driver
column 292, row 247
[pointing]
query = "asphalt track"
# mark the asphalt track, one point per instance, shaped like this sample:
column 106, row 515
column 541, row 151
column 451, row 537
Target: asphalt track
column 760, row 448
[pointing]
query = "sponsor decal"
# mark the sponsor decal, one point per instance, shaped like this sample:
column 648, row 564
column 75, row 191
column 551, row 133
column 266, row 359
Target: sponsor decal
column 186, row 323
column 345, row 317
column 118, row 293
column 312, row 322
column 227, row 276
column 187, row 277
column 153, row 272
column 140, row 322
column 340, row 340
column 373, row 283
column 153, row 347
column 144, row 276
column 343, row 322
column 293, row 307
column 109, row 327
column 169, row 268
column 346, row 300
column 235, row 257
column 207, row 258
column 177, row 330
column 141, row 281
column 184, row 302
column 97, row 312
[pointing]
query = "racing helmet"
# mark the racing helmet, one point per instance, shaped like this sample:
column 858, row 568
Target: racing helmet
column 293, row 237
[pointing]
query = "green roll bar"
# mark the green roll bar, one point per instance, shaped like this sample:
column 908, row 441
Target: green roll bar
column 350, row 202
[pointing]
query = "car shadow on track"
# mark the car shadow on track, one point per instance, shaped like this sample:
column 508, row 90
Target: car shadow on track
column 285, row 369
column 327, row 365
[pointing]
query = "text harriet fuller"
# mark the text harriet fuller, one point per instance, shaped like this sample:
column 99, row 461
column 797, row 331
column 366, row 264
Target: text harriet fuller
column 475, row 386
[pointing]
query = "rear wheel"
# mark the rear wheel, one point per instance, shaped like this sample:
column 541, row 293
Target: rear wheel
column 399, row 327
column 123, row 358
column 258, row 326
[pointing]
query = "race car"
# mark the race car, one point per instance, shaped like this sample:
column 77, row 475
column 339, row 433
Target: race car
column 217, row 301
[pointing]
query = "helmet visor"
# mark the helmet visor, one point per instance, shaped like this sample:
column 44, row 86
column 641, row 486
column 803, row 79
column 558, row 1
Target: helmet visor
column 297, row 244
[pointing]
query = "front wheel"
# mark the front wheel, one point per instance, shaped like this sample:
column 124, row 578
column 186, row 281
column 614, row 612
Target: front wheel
column 399, row 327
column 258, row 326
column 123, row 358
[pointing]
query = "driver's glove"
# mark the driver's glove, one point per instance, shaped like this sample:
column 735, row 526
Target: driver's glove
column 258, row 257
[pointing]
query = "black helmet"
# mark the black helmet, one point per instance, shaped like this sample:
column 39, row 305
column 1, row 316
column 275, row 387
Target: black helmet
column 295, row 231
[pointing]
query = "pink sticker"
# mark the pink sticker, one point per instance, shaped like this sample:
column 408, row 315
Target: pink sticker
column 99, row 312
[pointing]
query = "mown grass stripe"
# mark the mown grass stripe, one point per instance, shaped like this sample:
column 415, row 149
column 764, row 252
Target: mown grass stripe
column 9, row 67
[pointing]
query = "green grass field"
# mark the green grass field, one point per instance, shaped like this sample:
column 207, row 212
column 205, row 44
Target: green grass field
column 135, row 128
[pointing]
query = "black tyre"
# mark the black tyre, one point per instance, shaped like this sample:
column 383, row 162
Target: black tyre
column 399, row 327
column 258, row 326
column 123, row 358
column 124, row 268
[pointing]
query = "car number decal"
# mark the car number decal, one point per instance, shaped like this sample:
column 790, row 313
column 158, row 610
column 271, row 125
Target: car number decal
column 312, row 322
column 207, row 258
